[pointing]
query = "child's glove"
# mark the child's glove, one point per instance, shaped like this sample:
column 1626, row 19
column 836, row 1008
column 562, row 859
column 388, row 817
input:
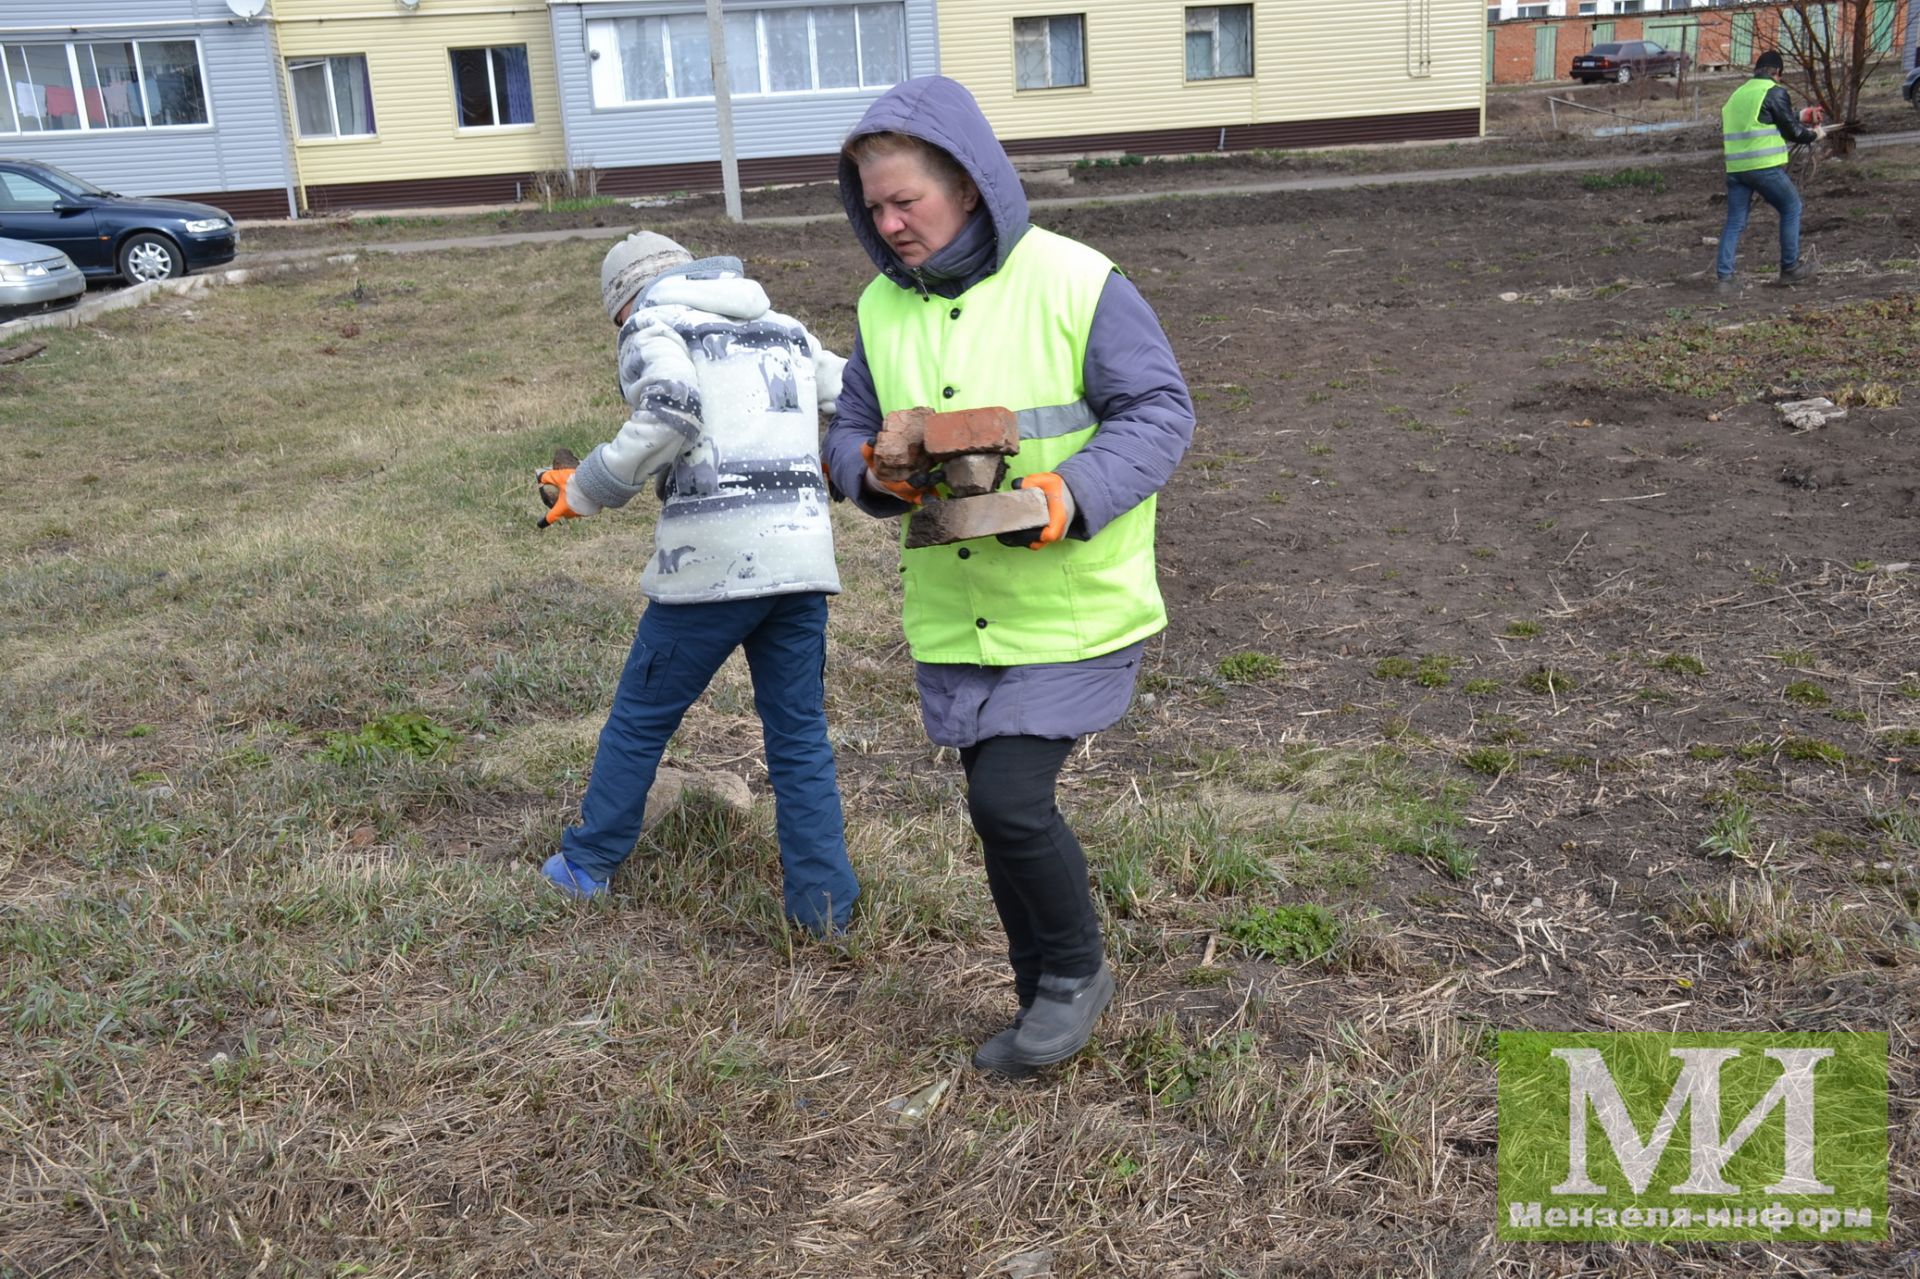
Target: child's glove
column 1060, row 508
column 553, row 488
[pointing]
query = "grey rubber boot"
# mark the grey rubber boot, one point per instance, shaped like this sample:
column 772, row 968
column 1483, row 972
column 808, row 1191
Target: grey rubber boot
column 998, row 1057
column 1061, row 1019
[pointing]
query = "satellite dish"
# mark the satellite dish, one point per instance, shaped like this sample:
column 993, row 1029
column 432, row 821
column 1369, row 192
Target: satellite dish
column 248, row 9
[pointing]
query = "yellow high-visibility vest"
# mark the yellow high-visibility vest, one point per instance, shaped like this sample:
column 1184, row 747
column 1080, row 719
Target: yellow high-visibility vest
column 1749, row 143
column 1017, row 339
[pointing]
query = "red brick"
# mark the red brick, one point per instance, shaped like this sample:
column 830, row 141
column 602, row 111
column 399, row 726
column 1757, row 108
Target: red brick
column 988, row 430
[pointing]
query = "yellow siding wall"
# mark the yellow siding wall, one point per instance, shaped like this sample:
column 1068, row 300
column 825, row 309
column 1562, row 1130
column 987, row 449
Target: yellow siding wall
column 1313, row 59
column 417, row 128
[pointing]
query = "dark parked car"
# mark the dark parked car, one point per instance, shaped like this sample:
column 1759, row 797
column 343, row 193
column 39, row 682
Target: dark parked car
column 105, row 234
column 1625, row 59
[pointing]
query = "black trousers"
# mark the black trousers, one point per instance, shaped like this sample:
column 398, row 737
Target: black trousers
column 1035, row 867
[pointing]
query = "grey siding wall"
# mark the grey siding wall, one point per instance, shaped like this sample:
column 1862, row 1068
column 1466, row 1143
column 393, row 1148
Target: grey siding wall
column 677, row 133
column 244, row 149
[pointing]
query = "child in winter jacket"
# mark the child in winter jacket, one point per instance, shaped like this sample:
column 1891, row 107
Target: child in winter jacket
column 725, row 396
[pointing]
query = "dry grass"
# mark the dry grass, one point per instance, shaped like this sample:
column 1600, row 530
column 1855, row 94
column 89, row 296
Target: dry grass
column 276, row 1010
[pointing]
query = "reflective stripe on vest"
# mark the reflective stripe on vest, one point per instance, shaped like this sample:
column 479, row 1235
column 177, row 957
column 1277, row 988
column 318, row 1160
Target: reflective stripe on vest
column 1017, row 339
column 1748, row 144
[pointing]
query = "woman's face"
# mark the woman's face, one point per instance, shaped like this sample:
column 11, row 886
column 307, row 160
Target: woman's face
column 915, row 212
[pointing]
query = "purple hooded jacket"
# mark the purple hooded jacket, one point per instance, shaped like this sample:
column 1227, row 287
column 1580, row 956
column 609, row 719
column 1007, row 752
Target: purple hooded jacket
column 1133, row 383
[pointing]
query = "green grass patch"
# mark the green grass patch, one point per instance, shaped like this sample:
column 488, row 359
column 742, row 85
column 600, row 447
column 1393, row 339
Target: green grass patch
column 1625, row 179
column 1249, row 668
column 1491, row 760
column 1682, row 664
column 1868, row 343
column 399, row 733
column 1298, row 934
column 1811, row 750
column 1548, row 682
column 1731, row 832
column 1805, row 693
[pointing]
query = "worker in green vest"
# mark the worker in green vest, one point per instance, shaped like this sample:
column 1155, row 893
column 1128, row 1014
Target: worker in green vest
column 1759, row 129
column 1019, row 650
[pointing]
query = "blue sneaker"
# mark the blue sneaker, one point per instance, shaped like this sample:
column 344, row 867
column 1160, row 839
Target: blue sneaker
column 570, row 879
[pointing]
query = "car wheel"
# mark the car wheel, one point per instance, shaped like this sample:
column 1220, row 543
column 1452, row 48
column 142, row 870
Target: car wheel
column 147, row 257
column 1624, row 74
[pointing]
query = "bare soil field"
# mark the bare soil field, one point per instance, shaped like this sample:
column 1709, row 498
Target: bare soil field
column 1525, row 671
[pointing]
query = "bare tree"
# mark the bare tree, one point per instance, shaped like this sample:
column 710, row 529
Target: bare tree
column 1830, row 44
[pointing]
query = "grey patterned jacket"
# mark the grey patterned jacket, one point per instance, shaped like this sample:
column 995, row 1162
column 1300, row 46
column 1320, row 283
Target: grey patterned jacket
column 726, row 396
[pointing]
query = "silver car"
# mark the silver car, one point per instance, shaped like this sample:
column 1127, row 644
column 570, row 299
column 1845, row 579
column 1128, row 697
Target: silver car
column 33, row 275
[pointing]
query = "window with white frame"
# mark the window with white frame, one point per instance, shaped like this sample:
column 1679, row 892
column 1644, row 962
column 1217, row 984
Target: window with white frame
column 1629, row 6
column 83, row 86
column 1587, row 8
column 492, row 87
column 332, row 97
column 1530, row 11
column 820, row 48
column 1219, row 41
column 1051, row 52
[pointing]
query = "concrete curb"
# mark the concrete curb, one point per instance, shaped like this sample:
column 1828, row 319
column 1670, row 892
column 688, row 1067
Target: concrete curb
column 89, row 309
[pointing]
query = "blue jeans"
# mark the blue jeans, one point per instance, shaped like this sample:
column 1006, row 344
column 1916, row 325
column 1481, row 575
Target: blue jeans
column 675, row 654
column 1776, row 188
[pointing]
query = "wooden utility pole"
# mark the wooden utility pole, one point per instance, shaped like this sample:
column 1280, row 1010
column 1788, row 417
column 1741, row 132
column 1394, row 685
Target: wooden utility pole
column 723, row 109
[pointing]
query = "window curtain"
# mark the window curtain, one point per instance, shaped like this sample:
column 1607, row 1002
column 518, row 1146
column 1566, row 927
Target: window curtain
column 1199, row 55
column 1236, row 41
column 882, row 44
column 352, row 96
column 692, row 62
column 510, row 67
column 1069, row 58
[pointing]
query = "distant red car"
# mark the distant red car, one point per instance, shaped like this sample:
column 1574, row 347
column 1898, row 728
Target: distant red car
column 1625, row 59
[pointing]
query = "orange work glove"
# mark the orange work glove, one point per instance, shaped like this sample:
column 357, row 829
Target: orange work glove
column 553, row 488
column 905, row 490
column 1060, row 508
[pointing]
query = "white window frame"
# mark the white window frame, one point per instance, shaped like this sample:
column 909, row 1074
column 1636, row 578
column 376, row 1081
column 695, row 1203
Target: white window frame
column 1086, row 72
column 79, row 88
column 326, row 61
column 760, row 50
column 1186, row 27
column 493, row 89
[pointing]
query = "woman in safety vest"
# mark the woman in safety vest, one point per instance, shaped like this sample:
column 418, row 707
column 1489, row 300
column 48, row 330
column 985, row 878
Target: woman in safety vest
column 1019, row 648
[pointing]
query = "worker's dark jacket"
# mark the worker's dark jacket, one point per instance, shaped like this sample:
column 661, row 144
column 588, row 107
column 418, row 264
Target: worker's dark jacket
column 1778, row 111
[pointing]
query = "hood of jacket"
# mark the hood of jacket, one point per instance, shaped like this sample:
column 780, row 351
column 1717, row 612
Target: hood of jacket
column 941, row 111
column 719, row 285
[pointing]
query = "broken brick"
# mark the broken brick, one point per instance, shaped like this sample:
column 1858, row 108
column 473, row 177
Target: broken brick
column 936, row 523
column 973, row 473
column 898, row 453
